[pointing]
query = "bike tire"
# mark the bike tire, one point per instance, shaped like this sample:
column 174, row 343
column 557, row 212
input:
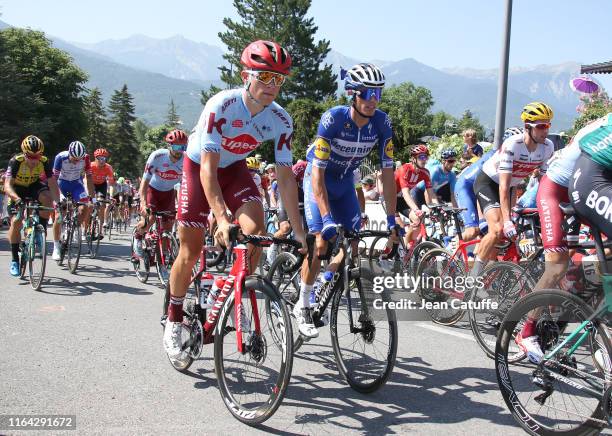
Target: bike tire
column 418, row 252
column 109, row 225
column 503, row 282
column 374, row 253
column 64, row 237
column 428, row 267
column 23, row 259
column 36, row 255
column 74, row 247
column 142, row 265
column 274, row 391
column 507, row 374
column 94, row 235
column 170, row 245
column 356, row 375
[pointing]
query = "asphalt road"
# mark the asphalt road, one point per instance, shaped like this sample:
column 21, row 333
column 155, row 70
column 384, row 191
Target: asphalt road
column 90, row 345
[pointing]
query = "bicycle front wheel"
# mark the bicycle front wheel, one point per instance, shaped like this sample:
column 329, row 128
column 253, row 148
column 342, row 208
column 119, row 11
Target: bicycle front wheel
column 253, row 382
column 37, row 257
column 364, row 340
column 74, row 247
column 94, row 237
column 502, row 284
column 563, row 394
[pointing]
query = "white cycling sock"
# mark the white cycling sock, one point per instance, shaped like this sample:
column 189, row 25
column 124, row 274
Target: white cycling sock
column 270, row 255
column 56, row 245
column 305, row 294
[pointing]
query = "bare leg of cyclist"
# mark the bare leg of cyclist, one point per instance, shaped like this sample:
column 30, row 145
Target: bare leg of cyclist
column 14, row 237
column 251, row 219
column 486, row 248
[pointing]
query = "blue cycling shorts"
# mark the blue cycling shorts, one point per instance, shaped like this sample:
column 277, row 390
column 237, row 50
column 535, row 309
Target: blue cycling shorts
column 343, row 202
column 465, row 198
column 73, row 187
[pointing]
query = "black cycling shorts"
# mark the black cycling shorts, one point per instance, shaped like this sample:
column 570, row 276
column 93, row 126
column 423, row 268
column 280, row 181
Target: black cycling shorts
column 31, row 192
column 100, row 190
column 487, row 192
column 590, row 191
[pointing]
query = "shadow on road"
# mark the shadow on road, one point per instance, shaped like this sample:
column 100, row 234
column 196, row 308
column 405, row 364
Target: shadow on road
column 415, row 393
column 65, row 287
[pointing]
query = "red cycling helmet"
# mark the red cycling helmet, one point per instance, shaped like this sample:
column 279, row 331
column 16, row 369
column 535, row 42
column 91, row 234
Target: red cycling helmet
column 177, row 137
column 266, row 56
column 101, row 152
column 419, row 149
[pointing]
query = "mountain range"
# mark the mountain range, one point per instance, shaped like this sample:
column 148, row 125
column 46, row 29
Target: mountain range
column 157, row 70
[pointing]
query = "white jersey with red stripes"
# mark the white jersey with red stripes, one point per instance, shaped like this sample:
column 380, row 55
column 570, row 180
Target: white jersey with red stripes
column 514, row 158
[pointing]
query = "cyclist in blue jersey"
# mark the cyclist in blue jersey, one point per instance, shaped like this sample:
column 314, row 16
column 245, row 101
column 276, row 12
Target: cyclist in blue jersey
column 345, row 136
column 443, row 180
column 233, row 124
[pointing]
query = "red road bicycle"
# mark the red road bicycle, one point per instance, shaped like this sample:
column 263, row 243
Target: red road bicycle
column 253, row 366
column 159, row 248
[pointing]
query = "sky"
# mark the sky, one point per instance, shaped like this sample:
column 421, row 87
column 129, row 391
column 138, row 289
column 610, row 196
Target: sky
column 439, row 33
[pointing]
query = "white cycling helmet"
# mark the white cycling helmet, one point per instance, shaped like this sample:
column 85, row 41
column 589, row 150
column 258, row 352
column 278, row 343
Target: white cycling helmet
column 76, row 150
column 511, row 131
column 360, row 75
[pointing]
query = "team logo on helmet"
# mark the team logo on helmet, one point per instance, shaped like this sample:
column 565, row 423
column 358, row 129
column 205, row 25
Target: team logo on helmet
column 322, row 149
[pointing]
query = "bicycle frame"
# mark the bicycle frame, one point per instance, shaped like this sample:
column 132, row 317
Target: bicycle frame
column 235, row 281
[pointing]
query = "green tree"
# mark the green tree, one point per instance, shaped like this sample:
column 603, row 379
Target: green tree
column 97, row 129
column 172, row 118
column 126, row 156
column 285, row 22
column 595, row 106
column 408, row 107
column 154, row 140
column 443, row 123
column 306, row 114
column 205, row 95
column 140, row 129
column 40, row 92
column 469, row 121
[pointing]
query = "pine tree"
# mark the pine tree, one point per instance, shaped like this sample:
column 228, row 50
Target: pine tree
column 97, row 129
column 123, row 145
column 285, row 22
column 172, row 118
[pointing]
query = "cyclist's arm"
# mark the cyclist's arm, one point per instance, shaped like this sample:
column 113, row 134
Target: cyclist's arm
column 210, row 183
column 408, row 199
column 89, row 183
column 289, row 195
column 504, row 195
column 8, row 188
column 142, row 190
column 361, row 199
column 54, row 188
column 430, row 196
column 319, row 190
column 388, row 183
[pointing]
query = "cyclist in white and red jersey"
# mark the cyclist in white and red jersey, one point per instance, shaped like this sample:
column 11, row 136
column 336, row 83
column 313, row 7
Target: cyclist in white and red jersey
column 515, row 160
column 215, row 176
column 163, row 170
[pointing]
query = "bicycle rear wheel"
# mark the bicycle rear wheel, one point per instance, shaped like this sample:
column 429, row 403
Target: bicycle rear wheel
column 436, row 264
column 74, row 247
column 503, row 284
column 37, row 257
column 94, row 237
column 141, row 265
column 553, row 397
column 169, row 245
column 109, row 225
column 365, row 357
column 253, row 383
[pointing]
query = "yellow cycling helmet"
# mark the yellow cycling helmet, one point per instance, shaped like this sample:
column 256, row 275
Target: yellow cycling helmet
column 252, row 163
column 536, row 111
column 32, row 145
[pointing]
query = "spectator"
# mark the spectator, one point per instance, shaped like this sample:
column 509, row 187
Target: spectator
column 369, row 189
column 471, row 147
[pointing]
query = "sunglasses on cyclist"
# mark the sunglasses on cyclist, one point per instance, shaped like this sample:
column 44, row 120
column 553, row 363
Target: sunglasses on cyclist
column 101, row 158
column 267, row 77
column 422, row 157
column 368, row 93
column 452, row 161
column 539, row 125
